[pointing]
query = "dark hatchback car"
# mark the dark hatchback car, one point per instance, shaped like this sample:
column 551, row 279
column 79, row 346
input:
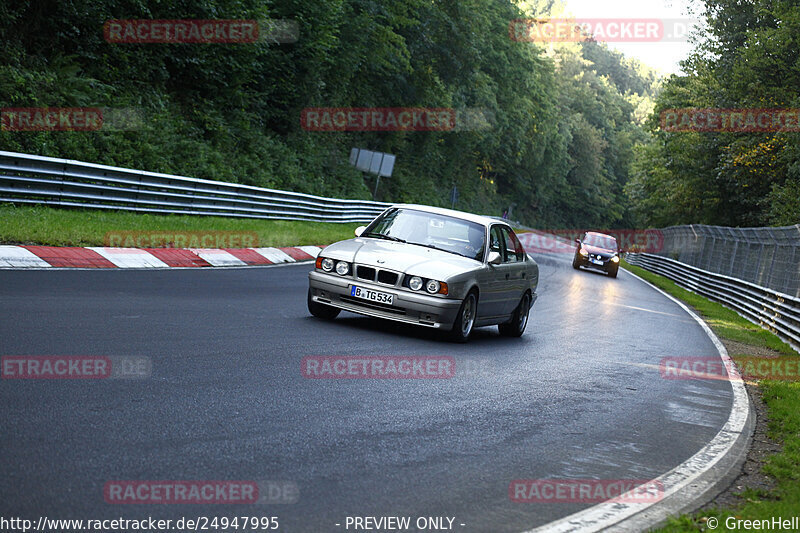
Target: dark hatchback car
column 598, row 251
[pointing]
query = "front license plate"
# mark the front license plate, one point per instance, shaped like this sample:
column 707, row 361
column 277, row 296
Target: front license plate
column 596, row 261
column 373, row 296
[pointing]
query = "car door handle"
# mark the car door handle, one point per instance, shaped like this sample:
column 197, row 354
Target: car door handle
column 523, row 274
column 506, row 275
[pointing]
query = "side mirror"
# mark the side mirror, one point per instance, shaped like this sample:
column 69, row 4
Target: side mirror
column 360, row 230
column 494, row 258
column 578, row 242
column 620, row 251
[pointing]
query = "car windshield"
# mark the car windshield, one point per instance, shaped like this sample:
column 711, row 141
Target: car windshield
column 601, row 241
column 446, row 233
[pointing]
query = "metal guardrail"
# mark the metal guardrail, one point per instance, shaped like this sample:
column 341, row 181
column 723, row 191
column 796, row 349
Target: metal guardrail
column 33, row 179
column 773, row 310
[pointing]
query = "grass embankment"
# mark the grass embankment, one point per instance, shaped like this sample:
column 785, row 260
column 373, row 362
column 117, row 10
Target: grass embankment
column 91, row 227
column 782, row 399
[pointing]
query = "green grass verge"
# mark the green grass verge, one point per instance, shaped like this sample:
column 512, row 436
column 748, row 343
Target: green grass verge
column 782, row 399
column 88, row 227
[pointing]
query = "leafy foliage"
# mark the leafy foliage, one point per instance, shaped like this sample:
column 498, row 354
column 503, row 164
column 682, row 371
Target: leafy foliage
column 564, row 121
column 749, row 59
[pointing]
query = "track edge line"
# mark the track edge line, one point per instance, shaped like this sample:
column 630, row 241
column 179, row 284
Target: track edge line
column 690, row 484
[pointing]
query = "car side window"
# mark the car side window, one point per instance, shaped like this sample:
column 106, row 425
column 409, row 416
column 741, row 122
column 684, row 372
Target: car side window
column 496, row 241
column 514, row 252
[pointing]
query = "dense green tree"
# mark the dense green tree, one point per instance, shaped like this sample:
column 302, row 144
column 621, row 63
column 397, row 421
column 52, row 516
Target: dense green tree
column 559, row 123
column 749, row 58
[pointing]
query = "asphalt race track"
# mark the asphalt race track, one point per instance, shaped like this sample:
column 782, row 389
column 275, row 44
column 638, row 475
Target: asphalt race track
column 578, row 396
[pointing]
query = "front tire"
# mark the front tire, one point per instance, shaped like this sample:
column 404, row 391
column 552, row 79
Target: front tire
column 321, row 310
column 465, row 320
column 519, row 320
column 613, row 272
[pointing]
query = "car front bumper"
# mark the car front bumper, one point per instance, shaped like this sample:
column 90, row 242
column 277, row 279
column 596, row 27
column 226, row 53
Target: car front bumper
column 606, row 266
column 409, row 307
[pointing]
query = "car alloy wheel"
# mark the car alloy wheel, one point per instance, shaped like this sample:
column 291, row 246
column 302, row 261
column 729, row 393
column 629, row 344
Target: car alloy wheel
column 468, row 318
column 523, row 311
column 465, row 318
column 519, row 320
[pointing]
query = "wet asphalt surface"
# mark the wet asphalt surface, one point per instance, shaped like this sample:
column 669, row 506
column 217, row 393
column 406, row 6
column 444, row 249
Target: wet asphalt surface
column 578, row 396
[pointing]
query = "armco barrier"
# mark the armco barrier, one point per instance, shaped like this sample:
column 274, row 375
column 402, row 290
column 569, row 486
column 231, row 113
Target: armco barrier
column 775, row 311
column 35, row 179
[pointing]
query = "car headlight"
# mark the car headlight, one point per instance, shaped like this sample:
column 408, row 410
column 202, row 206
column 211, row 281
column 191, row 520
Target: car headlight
column 326, row 264
column 342, row 268
column 432, row 286
column 615, row 259
column 584, row 253
column 415, row 283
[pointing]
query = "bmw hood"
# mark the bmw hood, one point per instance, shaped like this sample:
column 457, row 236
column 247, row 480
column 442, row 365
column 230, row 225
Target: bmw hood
column 401, row 257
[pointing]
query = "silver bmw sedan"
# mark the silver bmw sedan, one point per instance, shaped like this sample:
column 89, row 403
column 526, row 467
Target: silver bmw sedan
column 431, row 267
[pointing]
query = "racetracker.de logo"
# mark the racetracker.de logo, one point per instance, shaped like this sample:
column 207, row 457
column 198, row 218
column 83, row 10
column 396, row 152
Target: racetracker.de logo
column 378, row 119
column 181, row 239
column 585, row 490
column 563, row 240
column 377, row 367
column 55, row 367
column 167, row 492
column 145, row 31
column 567, row 30
column 752, row 120
column 74, row 367
column 51, row 118
column 201, row 491
column 747, row 368
column 696, row 368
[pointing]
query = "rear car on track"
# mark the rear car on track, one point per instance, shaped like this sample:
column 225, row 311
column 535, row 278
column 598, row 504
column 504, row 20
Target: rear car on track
column 597, row 251
column 431, row 267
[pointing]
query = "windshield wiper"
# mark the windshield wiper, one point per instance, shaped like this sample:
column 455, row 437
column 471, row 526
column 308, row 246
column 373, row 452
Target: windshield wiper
column 397, row 239
column 383, row 236
column 437, row 248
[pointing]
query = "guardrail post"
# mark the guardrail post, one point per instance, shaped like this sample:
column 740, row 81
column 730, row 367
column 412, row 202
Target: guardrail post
column 733, row 257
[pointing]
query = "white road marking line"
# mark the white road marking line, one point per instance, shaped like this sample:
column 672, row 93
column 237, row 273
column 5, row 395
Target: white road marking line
column 642, row 309
column 684, row 478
